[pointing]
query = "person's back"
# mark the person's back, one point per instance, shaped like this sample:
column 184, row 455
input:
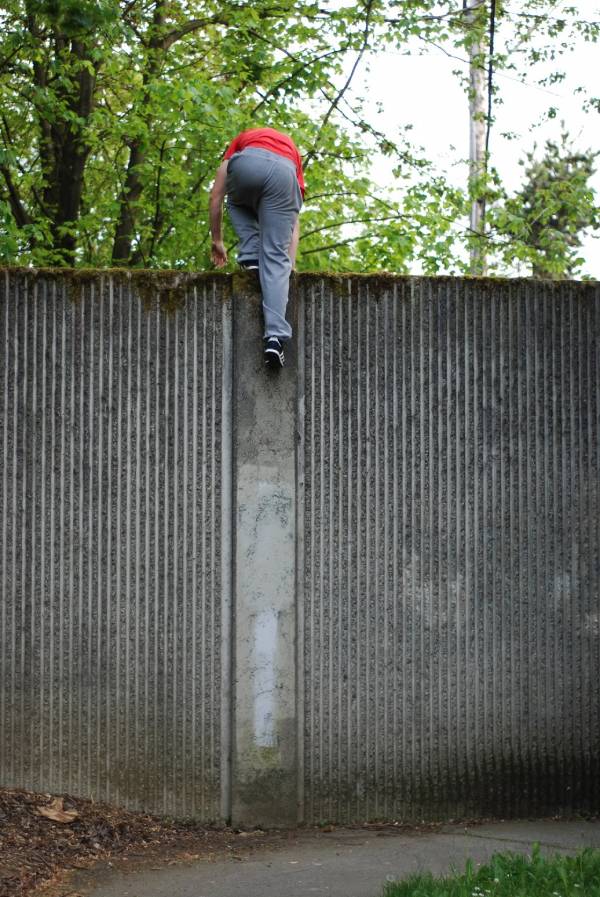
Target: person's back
column 272, row 140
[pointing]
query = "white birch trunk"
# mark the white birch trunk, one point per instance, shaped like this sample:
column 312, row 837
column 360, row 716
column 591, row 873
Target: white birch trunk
column 477, row 130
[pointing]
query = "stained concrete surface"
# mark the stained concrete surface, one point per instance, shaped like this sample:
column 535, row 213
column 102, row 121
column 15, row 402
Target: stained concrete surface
column 344, row 863
column 264, row 736
column 361, row 587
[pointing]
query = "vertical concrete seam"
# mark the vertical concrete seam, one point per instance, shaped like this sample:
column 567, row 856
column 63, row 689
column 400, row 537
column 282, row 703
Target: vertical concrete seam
column 228, row 548
column 300, row 510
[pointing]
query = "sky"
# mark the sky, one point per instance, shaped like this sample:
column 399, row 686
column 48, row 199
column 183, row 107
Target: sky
column 424, row 92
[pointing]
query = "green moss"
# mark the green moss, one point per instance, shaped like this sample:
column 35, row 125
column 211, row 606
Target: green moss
column 76, row 282
column 168, row 288
column 265, row 758
column 245, row 282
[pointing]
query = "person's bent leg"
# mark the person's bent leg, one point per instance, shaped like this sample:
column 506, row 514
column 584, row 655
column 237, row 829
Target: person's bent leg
column 243, row 191
column 245, row 224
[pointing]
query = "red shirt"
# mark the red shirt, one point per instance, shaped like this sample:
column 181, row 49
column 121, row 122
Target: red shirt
column 269, row 139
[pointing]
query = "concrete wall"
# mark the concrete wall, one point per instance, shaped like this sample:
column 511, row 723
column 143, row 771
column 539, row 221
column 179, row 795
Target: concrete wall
column 450, row 572
column 366, row 587
column 115, row 541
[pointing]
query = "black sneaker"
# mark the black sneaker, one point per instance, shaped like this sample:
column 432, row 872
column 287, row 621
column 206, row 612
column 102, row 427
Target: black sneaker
column 274, row 357
column 249, row 264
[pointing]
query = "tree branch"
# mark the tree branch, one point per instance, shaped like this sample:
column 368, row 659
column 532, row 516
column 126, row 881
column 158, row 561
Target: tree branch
column 293, row 74
column 311, row 154
column 158, row 220
column 19, row 211
column 169, row 39
column 329, row 246
column 490, row 81
column 369, row 220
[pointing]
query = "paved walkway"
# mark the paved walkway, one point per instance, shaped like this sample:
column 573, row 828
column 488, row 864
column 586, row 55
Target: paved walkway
column 344, row 863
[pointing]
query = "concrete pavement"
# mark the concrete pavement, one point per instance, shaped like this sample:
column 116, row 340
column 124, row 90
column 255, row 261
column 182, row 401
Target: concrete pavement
column 343, row 863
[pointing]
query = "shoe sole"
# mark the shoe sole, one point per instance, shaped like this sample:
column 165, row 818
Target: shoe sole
column 273, row 358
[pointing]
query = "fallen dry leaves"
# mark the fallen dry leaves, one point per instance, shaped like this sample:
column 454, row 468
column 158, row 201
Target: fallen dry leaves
column 41, row 835
column 56, row 812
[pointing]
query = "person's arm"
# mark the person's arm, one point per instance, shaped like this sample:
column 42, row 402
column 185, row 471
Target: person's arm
column 294, row 242
column 215, row 211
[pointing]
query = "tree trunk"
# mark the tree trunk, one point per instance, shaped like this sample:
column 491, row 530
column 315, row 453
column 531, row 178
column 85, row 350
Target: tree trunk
column 132, row 190
column 477, row 128
column 74, row 154
column 133, row 186
column 158, row 45
column 63, row 147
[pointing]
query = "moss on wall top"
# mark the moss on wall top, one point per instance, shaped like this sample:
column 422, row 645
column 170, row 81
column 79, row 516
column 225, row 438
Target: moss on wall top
column 169, row 288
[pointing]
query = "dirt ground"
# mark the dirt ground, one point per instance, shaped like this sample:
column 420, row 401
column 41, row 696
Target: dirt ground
column 37, row 853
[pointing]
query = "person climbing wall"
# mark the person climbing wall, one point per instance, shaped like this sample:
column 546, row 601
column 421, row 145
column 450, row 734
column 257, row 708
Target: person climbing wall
column 261, row 175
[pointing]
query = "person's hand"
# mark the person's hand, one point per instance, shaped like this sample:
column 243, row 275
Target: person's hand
column 218, row 253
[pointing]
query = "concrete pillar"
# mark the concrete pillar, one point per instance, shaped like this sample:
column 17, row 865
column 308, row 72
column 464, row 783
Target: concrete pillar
column 264, row 471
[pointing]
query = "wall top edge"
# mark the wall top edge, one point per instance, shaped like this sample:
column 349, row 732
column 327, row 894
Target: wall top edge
column 385, row 278
column 175, row 277
column 136, row 274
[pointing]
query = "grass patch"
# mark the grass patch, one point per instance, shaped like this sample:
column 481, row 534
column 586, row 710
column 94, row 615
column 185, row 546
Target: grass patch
column 511, row 875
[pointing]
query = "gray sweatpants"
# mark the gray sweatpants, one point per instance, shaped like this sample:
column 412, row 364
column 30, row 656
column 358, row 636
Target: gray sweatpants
column 263, row 201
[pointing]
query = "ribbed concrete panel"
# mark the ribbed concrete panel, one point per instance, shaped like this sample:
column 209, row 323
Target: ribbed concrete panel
column 449, row 548
column 115, row 496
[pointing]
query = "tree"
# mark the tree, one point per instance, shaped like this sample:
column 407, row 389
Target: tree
column 475, row 21
column 538, row 35
column 114, row 115
column 545, row 219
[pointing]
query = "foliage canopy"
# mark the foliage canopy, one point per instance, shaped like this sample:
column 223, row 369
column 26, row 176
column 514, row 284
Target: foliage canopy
column 115, row 114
